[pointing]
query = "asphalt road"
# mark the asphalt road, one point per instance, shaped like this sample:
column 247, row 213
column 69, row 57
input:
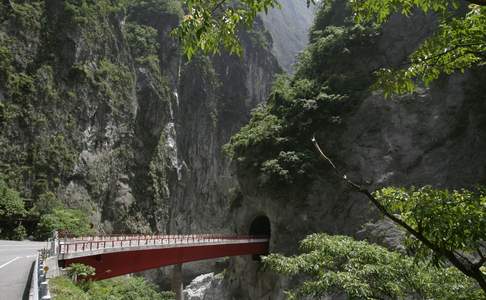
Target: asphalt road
column 16, row 260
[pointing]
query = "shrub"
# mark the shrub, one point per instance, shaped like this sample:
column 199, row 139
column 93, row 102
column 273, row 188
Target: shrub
column 19, row 233
column 80, row 272
column 121, row 288
column 142, row 39
column 11, row 204
column 73, row 221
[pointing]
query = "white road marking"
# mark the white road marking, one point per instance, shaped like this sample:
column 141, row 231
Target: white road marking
column 10, row 261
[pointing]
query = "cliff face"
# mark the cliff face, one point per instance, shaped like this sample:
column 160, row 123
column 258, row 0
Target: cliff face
column 435, row 136
column 98, row 105
column 289, row 27
column 209, row 113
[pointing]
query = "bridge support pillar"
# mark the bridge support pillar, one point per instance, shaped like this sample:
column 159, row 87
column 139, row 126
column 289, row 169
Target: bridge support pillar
column 177, row 281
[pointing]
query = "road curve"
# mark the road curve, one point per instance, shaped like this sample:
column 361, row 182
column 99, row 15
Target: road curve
column 16, row 259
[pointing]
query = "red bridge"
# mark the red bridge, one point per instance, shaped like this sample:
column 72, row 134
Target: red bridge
column 123, row 254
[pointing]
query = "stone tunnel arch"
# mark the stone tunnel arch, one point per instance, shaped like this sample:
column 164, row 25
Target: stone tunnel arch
column 260, row 226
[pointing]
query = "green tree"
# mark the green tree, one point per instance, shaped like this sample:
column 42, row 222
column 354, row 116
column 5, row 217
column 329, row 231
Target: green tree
column 340, row 264
column 127, row 289
column 445, row 225
column 12, row 212
column 442, row 225
column 73, row 221
column 46, row 203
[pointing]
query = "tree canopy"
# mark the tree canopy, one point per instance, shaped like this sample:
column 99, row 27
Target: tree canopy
column 339, row 264
column 443, row 225
column 210, row 25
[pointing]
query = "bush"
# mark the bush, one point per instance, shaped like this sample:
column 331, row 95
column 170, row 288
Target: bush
column 142, row 39
column 73, row 221
column 122, row 288
column 63, row 288
column 127, row 288
column 80, row 272
column 19, row 233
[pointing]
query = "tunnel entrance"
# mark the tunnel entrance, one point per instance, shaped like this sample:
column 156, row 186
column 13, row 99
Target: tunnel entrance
column 260, row 226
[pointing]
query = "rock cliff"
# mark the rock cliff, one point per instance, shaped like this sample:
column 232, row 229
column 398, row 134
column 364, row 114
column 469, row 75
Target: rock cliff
column 98, row 105
column 434, row 136
column 289, row 27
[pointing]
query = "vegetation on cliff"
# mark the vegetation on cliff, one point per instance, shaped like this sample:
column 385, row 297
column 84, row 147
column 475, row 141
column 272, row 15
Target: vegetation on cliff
column 327, row 84
column 444, row 226
column 68, row 82
column 88, row 95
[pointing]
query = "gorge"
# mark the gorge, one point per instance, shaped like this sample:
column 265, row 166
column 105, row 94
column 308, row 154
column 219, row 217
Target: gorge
column 101, row 112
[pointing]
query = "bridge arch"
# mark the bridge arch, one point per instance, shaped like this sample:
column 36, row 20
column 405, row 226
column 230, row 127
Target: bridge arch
column 260, row 226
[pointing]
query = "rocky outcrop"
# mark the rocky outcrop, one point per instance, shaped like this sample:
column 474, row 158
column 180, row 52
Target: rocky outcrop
column 205, row 287
column 434, row 136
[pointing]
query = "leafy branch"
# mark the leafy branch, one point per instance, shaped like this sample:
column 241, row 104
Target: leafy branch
column 455, row 257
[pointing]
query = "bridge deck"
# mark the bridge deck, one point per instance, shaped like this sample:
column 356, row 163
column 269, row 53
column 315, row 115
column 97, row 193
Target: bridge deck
column 118, row 255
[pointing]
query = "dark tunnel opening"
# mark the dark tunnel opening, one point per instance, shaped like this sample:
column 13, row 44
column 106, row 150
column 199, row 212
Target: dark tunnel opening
column 260, row 226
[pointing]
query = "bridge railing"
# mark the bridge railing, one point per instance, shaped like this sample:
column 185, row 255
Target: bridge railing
column 92, row 243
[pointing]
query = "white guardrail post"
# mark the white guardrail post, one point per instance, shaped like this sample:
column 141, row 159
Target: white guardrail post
column 43, row 281
column 34, row 283
column 39, row 287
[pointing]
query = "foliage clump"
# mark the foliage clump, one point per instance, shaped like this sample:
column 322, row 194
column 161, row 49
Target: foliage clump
column 451, row 220
column 330, row 79
column 140, row 8
column 12, row 212
column 458, row 44
column 276, row 142
column 339, row 264
column 73, row 221
column 142, row 39
column 144, row 45
column 80, row 272
column 122, row 288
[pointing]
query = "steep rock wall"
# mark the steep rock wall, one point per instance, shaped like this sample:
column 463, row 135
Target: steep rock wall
column 99, row 106
column 432, row 137
column 289, row 27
